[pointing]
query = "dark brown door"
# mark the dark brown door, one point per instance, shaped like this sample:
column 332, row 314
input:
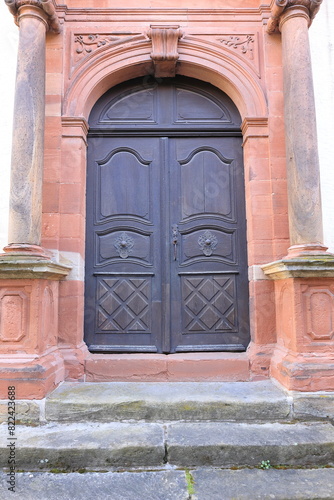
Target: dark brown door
column 166, row 263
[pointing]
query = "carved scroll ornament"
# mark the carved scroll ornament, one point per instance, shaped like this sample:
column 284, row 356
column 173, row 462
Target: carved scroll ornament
column 164, row 49
column 281, row 6
column 243, row 43
column 45, row 5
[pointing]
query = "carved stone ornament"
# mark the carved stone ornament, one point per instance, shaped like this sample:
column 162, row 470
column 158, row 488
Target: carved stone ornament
column 46, row 5
column 207, row 242
column 124, row 244
column 280, row 6
column 242, row 42
column 86, row 44
column 164, row 49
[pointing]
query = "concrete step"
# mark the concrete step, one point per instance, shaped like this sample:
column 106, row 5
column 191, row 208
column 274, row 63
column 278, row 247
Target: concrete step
column 96, row 446
column 197, row 484
column 152, row 402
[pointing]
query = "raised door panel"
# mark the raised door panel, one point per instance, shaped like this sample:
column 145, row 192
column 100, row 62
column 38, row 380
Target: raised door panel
column 130, row 195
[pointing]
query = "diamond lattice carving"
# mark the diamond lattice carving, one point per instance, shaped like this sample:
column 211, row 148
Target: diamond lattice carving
column 209, row 304
column 123, row 305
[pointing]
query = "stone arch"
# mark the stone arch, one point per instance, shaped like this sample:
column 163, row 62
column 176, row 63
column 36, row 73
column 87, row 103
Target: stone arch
column 202, row 61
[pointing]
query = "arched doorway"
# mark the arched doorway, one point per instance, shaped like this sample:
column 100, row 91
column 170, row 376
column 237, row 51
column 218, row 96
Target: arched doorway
column 166, row 256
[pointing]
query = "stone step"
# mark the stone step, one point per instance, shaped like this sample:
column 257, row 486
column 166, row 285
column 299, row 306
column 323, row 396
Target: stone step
column 195, row 484
column 100, row 446
column 248, row 444
column 152, row 402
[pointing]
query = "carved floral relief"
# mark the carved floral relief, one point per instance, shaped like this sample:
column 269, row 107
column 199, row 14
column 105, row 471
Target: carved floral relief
column 241, row 43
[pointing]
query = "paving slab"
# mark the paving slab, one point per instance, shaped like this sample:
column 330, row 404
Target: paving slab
column 75, row 446
column 314, row 484
column 159, row 401
column 247, row 444
column 160, row 485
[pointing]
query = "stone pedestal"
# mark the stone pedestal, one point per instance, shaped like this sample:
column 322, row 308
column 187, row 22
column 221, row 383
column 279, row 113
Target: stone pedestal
column 303, row 359
column 29, row 355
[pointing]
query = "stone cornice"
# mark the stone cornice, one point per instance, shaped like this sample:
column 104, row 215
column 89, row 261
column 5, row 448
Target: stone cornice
column 31, row 267
column 279, row 7
column 45, row 5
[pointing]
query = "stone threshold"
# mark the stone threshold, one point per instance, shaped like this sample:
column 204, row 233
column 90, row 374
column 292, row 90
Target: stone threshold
column 190, row 366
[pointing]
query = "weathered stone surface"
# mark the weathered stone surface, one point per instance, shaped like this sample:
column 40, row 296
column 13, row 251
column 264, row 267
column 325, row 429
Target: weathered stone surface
column 151, row 401
column 25, row 212
column 26, row 412
column 208, row 484
column 231, row 444
column 263, row 484
column 74, row 446
column 160, row 485
column 313, row 406
column 22, row 266
column 305, row 218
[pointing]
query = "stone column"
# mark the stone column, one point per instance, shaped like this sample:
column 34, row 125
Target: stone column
column 305, row 217
column 30, row 358
column 34, row 18
column 293, row 18
column 303, row 358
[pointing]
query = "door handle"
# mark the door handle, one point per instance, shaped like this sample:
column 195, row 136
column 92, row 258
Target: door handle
column 175, row 232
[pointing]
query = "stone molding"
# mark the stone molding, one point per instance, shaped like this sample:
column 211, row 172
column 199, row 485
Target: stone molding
column 279, row 7
column 45, row 5
column 254, row 127
column 24, row 268
column 75, row 126
column 164, row 49
column 22, row 265
column 311, row 266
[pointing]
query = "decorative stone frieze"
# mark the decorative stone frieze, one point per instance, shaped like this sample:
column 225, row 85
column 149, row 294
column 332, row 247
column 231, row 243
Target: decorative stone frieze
column 164, row 49
column 86, row 44
column 311, row 8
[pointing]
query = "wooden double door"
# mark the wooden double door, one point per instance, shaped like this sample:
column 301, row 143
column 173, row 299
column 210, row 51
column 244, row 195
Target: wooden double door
column 166, row 261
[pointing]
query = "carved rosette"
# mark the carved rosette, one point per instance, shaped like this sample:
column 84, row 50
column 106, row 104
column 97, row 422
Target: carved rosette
column 164, row 49
column 280, row 6
column 124, row 244
column 207, row 242
column 45, row 5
